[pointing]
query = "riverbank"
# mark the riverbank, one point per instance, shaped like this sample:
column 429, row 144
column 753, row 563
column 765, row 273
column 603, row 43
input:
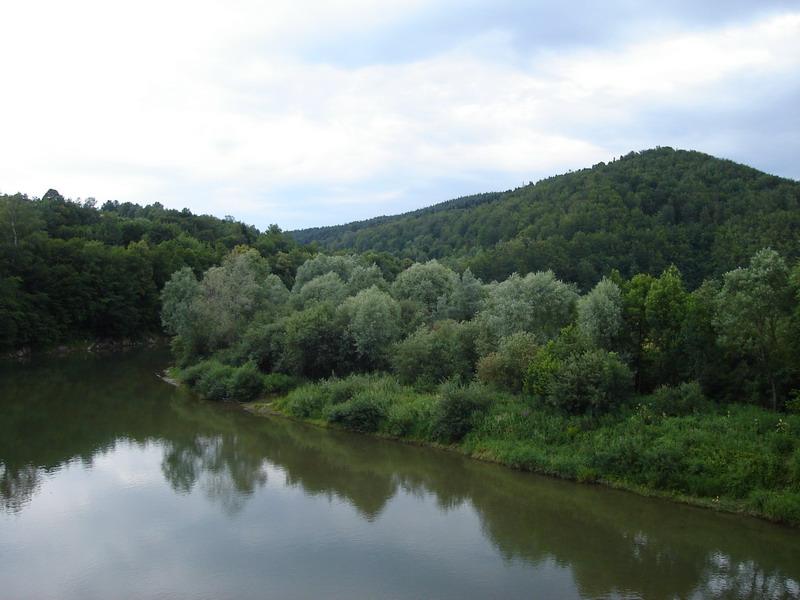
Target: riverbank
column 733, row 458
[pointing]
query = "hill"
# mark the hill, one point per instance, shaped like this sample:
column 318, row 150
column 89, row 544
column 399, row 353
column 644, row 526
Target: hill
column 637, row 214
column 72, row 273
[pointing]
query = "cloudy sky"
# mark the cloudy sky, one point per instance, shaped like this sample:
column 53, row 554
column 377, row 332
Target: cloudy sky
column 318, row 112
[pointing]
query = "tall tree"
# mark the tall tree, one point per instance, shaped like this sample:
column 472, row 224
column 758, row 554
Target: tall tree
column 754, row 308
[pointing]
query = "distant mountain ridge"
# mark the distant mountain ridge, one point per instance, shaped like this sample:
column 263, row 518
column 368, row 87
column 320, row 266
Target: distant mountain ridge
column 639, row 213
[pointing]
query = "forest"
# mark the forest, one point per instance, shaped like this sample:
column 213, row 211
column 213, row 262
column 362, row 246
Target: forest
column 635, row 324
column 72, row 273
column 640, row 213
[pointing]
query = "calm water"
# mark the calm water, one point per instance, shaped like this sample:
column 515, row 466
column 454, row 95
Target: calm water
column 114, row 484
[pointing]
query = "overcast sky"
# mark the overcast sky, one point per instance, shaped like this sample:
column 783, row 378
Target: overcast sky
column 319, row 112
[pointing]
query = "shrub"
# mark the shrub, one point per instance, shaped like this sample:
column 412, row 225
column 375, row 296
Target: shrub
column 685, row 399
column 593, row 382
column 362, row 413
column 341, row 390
column 783, row 506
column 506, row 368
column 403, row 418
column 246, row 382
column 214, row 381
column 434, row 354
column 278, row 383
column 456, row 409
column 306, row 402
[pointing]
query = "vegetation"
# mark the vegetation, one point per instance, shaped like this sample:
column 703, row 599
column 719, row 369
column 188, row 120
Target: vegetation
column 640, row 328
column 71, row 272
column 640, row 383
column 638, row 214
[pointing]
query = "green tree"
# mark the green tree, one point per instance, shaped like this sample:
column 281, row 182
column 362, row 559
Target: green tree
column 314, row 343
column 754, row 308
column 465, row 298
column 600, row 314
column 178, row 302
column 424, row 284
column 436, row 353
column 326, row 287
column 537, row 303
column 373, row 323
column 665, row 311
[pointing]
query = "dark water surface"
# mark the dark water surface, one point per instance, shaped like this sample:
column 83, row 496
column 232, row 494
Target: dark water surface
column 114, row 484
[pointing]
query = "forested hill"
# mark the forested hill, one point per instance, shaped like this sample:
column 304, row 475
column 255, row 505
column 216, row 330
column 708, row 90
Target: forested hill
column 72, row 272
column 638, row 214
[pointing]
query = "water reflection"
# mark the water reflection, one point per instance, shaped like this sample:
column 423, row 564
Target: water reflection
column 615, row 544
column 227, row 476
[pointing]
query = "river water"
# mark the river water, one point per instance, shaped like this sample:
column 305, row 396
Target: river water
column 114, row 484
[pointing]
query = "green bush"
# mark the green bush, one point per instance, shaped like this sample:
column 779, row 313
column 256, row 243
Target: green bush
column 435, row 354
column 783, row 506
column 408, row 418
column 189, row 376
column 214, row 381
column 456, row 409
column 506, row 368
column 306, row 402
column 685, row 399
column 593, row 382
column 341, row 390
column 246, row 382
column 278, row 383
column 362, row 413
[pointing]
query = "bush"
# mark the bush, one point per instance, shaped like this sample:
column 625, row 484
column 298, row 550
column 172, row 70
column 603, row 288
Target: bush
column 214, row 381
column 434, row 354
column 306, row 402
column 362, row 413
column 592, row 382
column 783, row 506
column 685, row 399
column 278, row 383
column 246, row 382
column 341, row 390
column 456, row 409
column 402, row 419
column 506, row 368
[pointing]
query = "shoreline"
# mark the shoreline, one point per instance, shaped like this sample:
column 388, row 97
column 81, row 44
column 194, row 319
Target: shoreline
column 263, row 408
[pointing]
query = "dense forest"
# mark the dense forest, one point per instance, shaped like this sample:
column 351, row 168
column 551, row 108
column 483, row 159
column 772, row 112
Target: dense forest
column 71, row 272
column 638, row 214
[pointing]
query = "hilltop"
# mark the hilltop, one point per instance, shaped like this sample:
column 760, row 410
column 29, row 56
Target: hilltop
column 637, row 214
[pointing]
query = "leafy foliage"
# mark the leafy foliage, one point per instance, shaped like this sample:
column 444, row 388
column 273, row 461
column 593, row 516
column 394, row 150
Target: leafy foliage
column 72, row 272
column 457, row 408
column 637, row 214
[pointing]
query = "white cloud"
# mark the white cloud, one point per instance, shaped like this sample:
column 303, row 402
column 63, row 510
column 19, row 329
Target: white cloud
column 216, row 105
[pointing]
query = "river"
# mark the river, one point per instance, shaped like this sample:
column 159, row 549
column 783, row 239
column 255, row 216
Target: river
column 114, row 484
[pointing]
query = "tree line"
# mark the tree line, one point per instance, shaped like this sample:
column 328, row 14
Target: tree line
column 641, row 382
column 735, row 336
column 72, row 272
column 640, row 213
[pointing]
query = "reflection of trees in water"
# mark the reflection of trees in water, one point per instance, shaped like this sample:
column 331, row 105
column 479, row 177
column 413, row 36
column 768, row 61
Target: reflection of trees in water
column 620, row 544
column 18, row 486
column 614, row 543
column 226, row 475
column 724, row 577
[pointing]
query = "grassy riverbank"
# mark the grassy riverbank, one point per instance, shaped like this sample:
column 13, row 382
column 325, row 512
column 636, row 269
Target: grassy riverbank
column 730, row 457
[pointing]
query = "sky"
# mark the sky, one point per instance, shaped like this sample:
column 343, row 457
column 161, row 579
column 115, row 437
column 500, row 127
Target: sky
column 321, row 112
